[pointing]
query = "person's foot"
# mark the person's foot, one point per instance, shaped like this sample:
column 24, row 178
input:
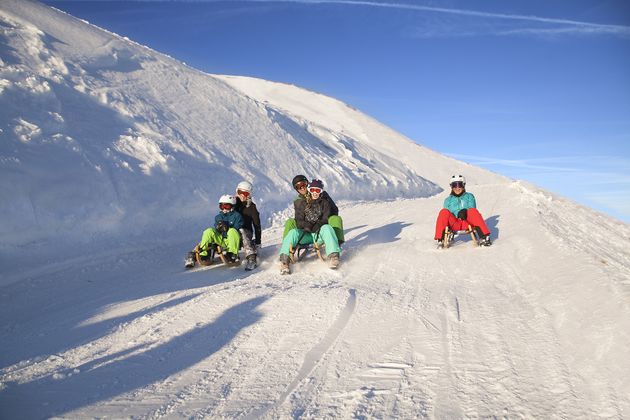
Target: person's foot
column 284, row 264
column 190, row 260
column 250, row 262
column 333, row 260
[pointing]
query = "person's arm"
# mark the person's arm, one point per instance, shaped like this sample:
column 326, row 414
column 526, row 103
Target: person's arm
column 256, row 221
column 300, row 219
column 237, row 220
column 471, row 203
column 449, row 204
column 324, row 217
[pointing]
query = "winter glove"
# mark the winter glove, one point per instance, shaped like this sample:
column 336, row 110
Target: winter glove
column 223, row 227
column 463, row 214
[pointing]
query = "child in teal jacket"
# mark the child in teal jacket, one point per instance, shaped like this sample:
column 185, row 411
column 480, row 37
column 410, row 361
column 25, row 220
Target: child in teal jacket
column 460, row 211
column 224, row 234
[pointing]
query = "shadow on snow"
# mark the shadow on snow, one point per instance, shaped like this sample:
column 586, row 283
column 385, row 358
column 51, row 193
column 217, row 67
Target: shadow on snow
column 380, row 235
column 131, row 369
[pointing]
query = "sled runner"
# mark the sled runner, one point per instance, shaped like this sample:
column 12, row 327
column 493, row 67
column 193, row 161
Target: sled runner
column 450, row 235
column 208, row 260
column 301, row 250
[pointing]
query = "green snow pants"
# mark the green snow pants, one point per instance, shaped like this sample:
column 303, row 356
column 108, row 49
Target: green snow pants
column 231, row 243
column 335, row 221
column 326, row 236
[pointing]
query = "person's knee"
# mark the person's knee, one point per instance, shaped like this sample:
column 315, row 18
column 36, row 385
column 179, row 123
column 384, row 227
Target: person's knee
column 293, row 235
column 327, row 228
column 473, row 211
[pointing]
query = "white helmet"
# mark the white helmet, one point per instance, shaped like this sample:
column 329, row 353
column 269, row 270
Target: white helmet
column 227, row 199
column 457, row 178
column 245, row 186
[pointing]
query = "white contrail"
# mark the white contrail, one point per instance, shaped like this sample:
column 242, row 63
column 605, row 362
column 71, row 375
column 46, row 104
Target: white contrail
column 587, row 26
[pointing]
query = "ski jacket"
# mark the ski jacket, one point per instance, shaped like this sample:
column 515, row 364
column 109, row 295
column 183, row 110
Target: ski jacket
column 233, row 218
column 334, row 211
column 251, row 217
column 312, row 214
column 454, row 203
column 333, row 207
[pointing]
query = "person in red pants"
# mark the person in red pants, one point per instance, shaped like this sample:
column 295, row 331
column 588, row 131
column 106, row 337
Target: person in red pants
column 460, row 210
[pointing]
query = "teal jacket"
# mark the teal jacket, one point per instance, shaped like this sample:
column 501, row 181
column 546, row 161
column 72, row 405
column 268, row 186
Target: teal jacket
column 234, row 219
column 465, row 201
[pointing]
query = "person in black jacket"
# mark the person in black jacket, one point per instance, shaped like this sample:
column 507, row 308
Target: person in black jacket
column 300, row 184
column 311, row 218
column 251, row 230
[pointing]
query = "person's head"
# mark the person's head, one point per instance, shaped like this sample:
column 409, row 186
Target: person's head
column 244, row 190
column 458, row 184
column 315, row 188
column 226, row 203
column 300, row 183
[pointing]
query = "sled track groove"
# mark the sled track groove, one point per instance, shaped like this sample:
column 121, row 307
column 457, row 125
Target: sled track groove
column 315, row 355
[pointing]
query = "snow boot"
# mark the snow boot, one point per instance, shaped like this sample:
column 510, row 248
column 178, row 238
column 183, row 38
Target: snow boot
column 232, row 258
column 250, row 262
column 333, row 260
column 482, row 240
column 190, row 260
column 284, row 264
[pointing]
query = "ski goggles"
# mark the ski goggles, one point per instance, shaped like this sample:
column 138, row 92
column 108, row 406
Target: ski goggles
column 300, row 185
column 315, row 190
column 243, row 193
column 457, row 184
column 225, row 206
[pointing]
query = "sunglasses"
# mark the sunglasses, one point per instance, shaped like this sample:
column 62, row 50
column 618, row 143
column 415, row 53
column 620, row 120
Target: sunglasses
column 457, row 184
column 315, row 190
column 300, row 185
column 243, row 193
column 225, row 206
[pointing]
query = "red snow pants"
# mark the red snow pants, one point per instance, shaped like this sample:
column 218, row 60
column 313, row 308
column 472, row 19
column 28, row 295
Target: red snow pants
column 446, row 218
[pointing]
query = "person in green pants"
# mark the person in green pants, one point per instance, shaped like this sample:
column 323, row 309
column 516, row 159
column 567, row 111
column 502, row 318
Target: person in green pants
column 311, row 219
column 224, row 234
column 300, row 184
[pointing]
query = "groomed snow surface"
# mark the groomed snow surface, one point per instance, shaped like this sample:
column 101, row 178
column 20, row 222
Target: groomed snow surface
column 536, row 326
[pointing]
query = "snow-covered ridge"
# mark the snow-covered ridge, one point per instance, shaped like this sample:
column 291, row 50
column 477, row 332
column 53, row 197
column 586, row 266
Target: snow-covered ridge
column 100, row 133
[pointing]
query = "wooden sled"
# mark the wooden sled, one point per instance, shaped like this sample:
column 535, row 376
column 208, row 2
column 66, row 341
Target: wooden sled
column 450, row 235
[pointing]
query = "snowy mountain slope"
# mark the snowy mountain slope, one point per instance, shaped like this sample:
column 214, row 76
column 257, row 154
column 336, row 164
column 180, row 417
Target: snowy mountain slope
column 532, row 327
column 100, row 134
column 321, row 114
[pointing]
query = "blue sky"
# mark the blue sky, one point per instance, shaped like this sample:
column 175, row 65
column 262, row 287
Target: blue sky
column 536, row 90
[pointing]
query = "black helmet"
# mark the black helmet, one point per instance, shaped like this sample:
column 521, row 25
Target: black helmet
column 299, row 178
column 316, row 183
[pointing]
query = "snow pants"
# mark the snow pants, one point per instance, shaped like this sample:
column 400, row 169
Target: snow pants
column 231, row 243
column 326, row 236
column 335, row 221
column 247, row 236
column 446, row 218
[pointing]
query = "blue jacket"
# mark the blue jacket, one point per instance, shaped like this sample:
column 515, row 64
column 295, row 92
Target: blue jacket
column 234, row 218
column 465, row 201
